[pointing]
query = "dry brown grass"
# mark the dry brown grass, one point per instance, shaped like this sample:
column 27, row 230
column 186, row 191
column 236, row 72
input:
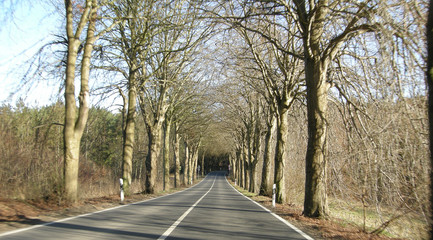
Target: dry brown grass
column 331, row 228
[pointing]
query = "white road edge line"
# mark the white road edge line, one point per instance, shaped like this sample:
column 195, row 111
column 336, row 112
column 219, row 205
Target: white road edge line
column 88, row 214
column 180, row 219
column 275, row 215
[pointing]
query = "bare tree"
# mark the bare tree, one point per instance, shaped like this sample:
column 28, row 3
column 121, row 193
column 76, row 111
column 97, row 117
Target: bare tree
column 76, row 118
column 320, row 50
column 279, row 72
column 128, row 44
column 271, row 124
column 186, row 96
column 179, row 35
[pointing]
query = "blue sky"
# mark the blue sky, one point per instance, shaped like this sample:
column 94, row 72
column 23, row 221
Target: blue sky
column 32, row 25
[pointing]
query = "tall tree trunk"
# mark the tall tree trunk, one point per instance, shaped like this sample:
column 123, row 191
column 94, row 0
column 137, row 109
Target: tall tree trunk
column 195, row 163
column 186, row 165
column 190, row 166
column 430, row 100
column 266, row 185
column 176, row 158
column 232, row 166
column 75, row 124
column 245, row 167
column 155, row 136
column 129, row 133
column 167, row 155
column 256, row 144
column 242, row 166
column 281, row 153
column 253, row 178
column 202, row 164
column 316, row 65
column 238, row 165
column 315, row 202
column 250, row 159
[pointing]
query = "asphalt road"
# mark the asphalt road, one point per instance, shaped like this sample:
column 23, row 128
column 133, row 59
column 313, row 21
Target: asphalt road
column 212, row 209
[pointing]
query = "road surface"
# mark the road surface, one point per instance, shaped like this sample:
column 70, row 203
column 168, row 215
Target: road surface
column 212, row 209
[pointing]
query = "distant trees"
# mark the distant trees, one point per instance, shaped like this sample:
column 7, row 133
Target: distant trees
column 27, row 136
column 168, row 68
column 153, row 50
column 32, row 152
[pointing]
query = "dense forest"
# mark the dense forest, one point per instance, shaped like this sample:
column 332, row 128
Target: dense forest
column 325, row 99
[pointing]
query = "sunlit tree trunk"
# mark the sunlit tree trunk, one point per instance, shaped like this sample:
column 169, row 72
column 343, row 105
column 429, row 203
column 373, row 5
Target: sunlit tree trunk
column 281, row 152
column 155, row 137
column 242, row 166
column 245, row 166
column 75, row 122
column 315, row 203
column 167, row 155
column 191, row 165
column 319, row 52
column 186, row 165
column 249, row 149
column 195, row 163
column 266, row 185
column 176, row 157
column 238, row 164
column 129, row 133
column 202, row 164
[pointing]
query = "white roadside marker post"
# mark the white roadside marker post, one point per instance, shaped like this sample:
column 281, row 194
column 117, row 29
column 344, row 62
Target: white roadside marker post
column 122, row 194
column 274, row 190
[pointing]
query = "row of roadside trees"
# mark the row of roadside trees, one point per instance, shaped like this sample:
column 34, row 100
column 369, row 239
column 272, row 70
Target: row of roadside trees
column 147, row 54
column 355, row 54
column 337, row 85
column 334, row 89
column 149, row 50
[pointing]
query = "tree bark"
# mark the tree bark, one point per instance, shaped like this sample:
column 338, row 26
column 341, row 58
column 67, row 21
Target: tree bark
column 155, row 136
column 316, row 66
column 245, row 167
column 254, row 160
column 238, row 164
column 429, row 74
column 191, row 166
column 128, row 144
column 242, row 166
column 253, row 168
column 281, row 153
column 202, row 164
column 257, row 144
column 167, row 155
column 176, row 158
column 266, row 185
column 195, row 163
column 186, row 165
column 315, row 203
column 249, row 168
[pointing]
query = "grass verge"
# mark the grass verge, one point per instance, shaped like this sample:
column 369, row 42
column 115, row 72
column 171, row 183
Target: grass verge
column 346, row 223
